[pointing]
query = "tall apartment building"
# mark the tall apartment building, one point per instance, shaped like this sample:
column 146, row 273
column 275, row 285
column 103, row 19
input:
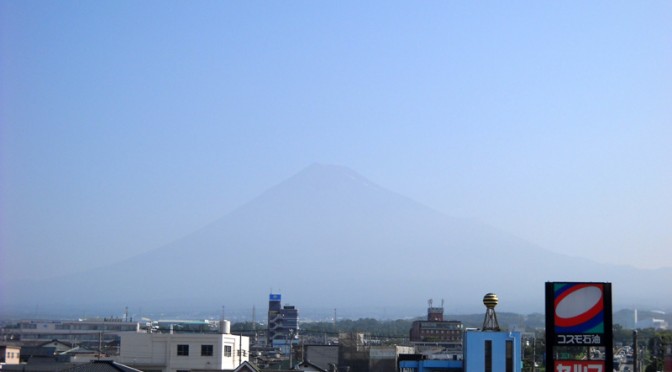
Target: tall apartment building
column 283, row 321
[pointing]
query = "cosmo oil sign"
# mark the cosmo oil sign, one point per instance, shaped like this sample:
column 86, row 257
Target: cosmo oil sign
column 578, row 318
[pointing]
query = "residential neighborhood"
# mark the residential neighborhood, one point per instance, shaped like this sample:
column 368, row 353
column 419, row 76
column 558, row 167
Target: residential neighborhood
column 433, row 343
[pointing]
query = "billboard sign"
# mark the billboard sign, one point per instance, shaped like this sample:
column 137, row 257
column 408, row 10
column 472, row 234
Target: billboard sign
column 578, row 314
column 580, row 366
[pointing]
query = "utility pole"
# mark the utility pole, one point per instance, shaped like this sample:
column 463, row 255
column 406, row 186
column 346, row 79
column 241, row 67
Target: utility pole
column 100, row 344
column 291, row 338
column 635, row 352
column 534, row 353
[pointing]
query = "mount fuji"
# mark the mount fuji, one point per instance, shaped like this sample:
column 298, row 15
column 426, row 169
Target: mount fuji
column 329, row 238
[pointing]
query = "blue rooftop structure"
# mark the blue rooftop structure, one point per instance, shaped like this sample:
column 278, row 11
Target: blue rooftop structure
column 492, row 351
column 429, row 365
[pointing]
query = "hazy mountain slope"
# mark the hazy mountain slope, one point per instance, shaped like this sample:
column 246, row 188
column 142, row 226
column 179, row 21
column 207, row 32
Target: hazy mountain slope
column 327, row 237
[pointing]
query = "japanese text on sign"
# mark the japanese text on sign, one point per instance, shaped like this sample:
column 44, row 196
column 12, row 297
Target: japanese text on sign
column 579, row 340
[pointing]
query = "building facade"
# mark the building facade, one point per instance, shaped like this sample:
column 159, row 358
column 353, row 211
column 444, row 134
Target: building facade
column 9, row 354
column 491, row 351
column 283, row 321
column 178, row 352
column 435, row 332
column 76, row 332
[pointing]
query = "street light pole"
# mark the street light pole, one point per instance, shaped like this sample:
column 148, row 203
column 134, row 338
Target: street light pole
column 635, row 357
column 291, row 337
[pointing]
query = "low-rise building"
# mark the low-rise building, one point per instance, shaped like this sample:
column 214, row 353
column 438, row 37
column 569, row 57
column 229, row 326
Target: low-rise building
column 10, row 354
column 436, row 334
column 178, row 352
column 89, row 332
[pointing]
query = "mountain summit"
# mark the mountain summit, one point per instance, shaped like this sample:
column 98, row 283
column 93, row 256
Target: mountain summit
column 328, row 237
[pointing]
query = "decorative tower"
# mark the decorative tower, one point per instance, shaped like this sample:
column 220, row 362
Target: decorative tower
column 490, row 323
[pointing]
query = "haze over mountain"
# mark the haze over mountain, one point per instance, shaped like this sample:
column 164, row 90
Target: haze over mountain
column 329, row 238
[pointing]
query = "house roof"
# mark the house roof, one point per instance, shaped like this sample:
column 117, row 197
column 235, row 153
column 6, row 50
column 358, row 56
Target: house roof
column 102, row 366
column 243, row 367
column 247, row 367
column 37, row 351
column 307, row 363
column 69, row 345
column 78, row 350
column 10, row 344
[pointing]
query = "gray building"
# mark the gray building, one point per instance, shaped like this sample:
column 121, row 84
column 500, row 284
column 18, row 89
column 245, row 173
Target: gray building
column 283, row 321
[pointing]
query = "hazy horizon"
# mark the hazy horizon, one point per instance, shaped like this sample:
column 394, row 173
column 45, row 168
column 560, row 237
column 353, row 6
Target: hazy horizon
column 125, row 126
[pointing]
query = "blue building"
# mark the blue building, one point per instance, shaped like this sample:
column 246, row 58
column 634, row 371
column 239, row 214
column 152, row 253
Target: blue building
column 492, row 351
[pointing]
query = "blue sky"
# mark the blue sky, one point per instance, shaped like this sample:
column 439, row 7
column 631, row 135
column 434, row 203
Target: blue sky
column 125, row 125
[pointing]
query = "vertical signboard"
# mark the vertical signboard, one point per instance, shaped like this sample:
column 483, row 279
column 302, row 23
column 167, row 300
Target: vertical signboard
column 579, row 323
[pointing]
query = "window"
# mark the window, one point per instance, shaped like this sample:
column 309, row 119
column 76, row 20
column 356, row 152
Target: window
column 509, row 356
column 183, row 350
column 206, row 350
column 227, row 350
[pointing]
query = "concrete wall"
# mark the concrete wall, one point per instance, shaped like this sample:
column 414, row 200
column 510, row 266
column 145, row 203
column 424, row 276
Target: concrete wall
column 384, row 358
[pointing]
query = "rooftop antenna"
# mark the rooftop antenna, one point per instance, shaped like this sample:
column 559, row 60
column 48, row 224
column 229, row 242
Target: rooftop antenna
column 223, row 317
column 490, row 323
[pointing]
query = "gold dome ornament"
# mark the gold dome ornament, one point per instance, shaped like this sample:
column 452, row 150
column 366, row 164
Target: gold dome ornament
column 490, row 300
column 490, row 323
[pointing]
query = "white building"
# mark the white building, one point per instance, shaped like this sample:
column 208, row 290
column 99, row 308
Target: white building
column 9, row 354
column 178, row 352
column 657, row 324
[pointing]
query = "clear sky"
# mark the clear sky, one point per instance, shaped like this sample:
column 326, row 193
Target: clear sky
column 127, row 124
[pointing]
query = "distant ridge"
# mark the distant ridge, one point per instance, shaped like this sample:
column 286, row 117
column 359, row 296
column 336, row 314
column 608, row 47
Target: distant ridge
column 329, row 237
